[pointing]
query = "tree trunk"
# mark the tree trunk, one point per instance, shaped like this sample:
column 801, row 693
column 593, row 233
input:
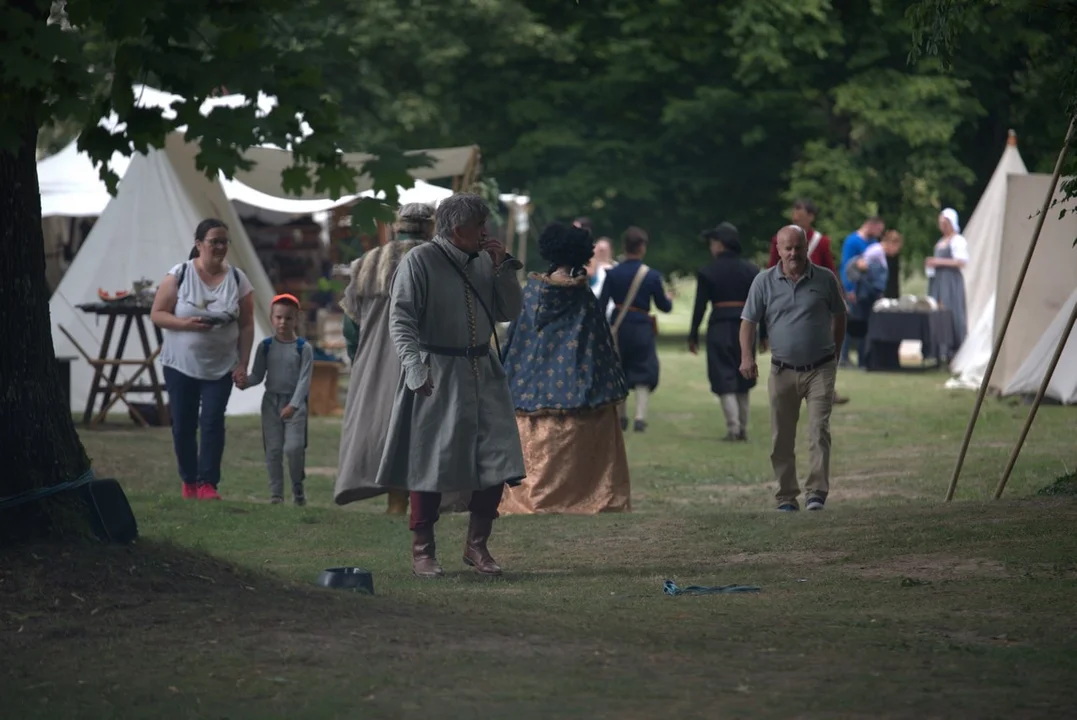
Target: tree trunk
column 37, row 432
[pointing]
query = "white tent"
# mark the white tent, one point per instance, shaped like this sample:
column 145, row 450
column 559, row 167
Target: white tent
column 1063, row 386
column 1052, row 273
column 984, row 234
column 143, row 232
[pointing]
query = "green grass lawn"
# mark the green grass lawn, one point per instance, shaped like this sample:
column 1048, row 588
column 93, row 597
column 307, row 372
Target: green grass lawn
column 890, row 603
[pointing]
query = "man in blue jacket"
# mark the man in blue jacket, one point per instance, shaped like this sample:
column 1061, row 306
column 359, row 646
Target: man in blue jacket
column 854, row 246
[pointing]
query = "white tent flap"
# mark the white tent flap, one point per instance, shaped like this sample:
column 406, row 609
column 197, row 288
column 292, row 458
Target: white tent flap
column 1063, row 386
column 984, row 234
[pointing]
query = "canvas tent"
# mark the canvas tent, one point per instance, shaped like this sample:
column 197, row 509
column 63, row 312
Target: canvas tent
column 143, row 232
column 1052, row 275
column 984, row 232
column 1027, row 378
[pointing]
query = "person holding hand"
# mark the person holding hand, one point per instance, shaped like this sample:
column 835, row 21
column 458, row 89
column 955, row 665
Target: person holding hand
column 205, row 309
column 453, row 426
column 286, row 362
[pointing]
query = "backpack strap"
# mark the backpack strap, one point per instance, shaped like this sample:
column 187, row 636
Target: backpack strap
column 182, row 274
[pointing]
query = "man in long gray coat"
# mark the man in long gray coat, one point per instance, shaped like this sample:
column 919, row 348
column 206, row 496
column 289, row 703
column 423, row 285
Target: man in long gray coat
column 453, row 427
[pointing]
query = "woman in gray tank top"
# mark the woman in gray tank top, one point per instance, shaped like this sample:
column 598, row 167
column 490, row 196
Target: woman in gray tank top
column 206, row 309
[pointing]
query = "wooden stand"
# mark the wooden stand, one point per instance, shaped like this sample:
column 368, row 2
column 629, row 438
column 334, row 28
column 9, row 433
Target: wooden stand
column 108, row 362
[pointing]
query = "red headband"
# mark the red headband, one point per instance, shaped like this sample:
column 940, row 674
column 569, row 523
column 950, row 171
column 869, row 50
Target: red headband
column 286, row 297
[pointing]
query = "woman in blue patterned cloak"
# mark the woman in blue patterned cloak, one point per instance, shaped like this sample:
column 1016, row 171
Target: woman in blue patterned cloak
column 566, row 383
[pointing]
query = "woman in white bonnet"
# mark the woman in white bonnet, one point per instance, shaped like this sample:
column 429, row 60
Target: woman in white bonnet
column 946, row 283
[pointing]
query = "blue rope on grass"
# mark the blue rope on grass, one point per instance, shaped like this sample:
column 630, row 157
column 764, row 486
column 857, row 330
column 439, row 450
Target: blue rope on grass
column 672, row 589
column 44, row 492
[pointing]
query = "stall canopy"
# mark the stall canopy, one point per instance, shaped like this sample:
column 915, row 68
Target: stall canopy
column 71, row 185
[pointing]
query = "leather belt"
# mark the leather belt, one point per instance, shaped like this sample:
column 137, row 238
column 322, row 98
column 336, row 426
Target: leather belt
column 728, row 304
column 631, row 308
column 476, row 351
column 803, row 368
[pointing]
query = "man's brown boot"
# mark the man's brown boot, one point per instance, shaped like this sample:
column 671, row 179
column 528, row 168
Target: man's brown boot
column 424, row 562
column 475, row 552
column 398, row 502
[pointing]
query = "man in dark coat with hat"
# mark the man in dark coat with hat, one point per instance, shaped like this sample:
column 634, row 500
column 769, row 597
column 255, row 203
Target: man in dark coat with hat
column 724, row 285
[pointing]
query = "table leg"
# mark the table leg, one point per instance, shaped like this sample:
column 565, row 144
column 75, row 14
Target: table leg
column 158, row 395
column 98, row 372
column 128, row 319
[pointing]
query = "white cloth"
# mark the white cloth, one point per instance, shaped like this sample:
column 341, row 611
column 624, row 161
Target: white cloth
column 206, row 355
column 951, row 215
column 600, row 280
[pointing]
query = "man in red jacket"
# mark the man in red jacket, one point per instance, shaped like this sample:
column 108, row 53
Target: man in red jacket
column 803, row 215
column 804, row 212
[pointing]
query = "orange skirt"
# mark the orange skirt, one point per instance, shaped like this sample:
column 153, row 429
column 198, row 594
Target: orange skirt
column 576, row 463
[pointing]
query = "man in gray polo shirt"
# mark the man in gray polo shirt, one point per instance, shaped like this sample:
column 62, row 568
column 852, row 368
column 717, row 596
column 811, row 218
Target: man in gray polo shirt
column 804, row 308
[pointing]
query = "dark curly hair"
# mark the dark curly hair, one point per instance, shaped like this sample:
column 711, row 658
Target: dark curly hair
column 566, row 246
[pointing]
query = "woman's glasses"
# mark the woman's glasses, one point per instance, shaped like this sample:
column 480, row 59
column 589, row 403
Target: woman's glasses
column 217, row 242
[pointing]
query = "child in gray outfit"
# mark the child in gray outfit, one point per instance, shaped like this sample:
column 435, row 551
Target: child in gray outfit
column 286, row 362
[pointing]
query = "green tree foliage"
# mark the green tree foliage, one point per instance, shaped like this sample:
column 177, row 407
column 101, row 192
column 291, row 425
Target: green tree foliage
column 1044, row 86
column 677, row 114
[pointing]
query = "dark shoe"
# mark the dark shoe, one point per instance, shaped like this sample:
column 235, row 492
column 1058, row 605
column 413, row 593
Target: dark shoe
column 731, row 437
column 300, row 500
column 816, row 503
column 743, row 437
column 424, row 562
column 624, row 424
column 475, row 552
column 788, row 507
column 640, row 426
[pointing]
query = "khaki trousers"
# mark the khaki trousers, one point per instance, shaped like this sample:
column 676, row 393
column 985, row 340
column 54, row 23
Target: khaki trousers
column 787, row 389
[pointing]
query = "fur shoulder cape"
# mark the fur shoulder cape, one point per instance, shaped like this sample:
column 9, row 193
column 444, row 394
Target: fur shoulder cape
column 372, row 273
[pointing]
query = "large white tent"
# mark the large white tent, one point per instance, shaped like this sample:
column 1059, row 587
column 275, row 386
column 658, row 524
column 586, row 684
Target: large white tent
column 1051, row 281
column 143, row 232
column 984, row 234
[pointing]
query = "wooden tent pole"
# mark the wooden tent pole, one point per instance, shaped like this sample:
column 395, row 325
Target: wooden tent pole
column 1036, row 403
column 1001, row 333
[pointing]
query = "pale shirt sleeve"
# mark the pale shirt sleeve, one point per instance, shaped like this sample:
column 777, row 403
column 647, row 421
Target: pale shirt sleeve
column 406, row 306
column 959, row 248
column 306, row 370
column 245, row 288
column 258, row 372
column 756, row 304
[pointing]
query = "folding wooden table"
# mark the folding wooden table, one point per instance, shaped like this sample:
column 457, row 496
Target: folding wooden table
column 108, row 362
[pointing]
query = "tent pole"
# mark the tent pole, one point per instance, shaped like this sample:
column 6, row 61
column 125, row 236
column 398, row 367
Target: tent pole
column 1036, row 402
column 1009, row 313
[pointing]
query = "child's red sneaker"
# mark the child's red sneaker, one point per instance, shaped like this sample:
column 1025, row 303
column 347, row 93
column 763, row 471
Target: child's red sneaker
column 208, row 492
column 190, row 491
